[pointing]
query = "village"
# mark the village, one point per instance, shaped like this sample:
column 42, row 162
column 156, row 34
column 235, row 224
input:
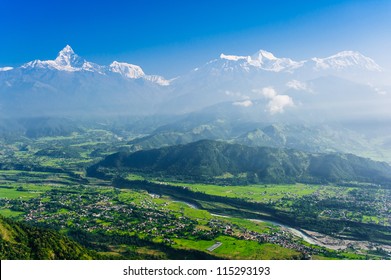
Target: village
column 103, row 211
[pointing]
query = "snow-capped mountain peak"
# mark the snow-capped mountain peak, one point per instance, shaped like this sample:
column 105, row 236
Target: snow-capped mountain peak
column 67, row 50
column 68, row 59
column 127, row 70
column 262, row 60
column 267, row 61
column 346, row 59
column 132, row 71
column 262, row 55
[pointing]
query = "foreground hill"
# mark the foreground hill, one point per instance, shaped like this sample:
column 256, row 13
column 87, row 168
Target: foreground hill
column 21, row 241
column 214, row 160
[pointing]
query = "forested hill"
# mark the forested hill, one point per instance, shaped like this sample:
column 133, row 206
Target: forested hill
column 208, row 159
column 22, row 241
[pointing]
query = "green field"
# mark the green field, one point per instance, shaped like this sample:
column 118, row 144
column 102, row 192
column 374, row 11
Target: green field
column 10, row 213
column 257, row 193
column 240, row 249
column 14, row 193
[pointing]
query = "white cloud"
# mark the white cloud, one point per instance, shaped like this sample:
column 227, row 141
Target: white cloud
column 269, row 92
column 237, row 94
column 379, row 91
column 277, row 102
column 245, row 103
column 297, row 85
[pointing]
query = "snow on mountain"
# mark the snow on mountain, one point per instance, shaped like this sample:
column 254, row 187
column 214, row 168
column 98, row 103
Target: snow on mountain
column 267, row 61
column 264, row 60
column 234, row 57
column 157, row 80
column 127, row 70
column 68, row 60
column 346, row 59
column 3, row 69
column 93, row 67
column 132, row 71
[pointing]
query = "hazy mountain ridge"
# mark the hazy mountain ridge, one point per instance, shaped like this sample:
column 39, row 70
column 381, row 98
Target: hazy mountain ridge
column 235, row 126
column 368, row 140
column 206, row 160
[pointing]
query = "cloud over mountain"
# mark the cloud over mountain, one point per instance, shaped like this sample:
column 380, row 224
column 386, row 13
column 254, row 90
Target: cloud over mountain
column 298, row 85
column 277, row 103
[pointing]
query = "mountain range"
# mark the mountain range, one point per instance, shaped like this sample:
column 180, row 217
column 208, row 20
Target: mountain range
column 68, row 61
column 260, row 84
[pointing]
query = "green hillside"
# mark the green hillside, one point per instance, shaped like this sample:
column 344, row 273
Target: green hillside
column 22, row 241
column 206, row 159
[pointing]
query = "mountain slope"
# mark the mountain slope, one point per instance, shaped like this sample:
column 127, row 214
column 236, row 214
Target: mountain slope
column 208, row 160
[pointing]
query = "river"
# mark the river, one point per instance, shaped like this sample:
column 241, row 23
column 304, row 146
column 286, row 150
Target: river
column 292, row 230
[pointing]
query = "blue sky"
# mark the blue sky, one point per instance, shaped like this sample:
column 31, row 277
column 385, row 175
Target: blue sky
column 172, row 37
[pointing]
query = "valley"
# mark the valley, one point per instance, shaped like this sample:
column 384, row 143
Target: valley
column 48, row 182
